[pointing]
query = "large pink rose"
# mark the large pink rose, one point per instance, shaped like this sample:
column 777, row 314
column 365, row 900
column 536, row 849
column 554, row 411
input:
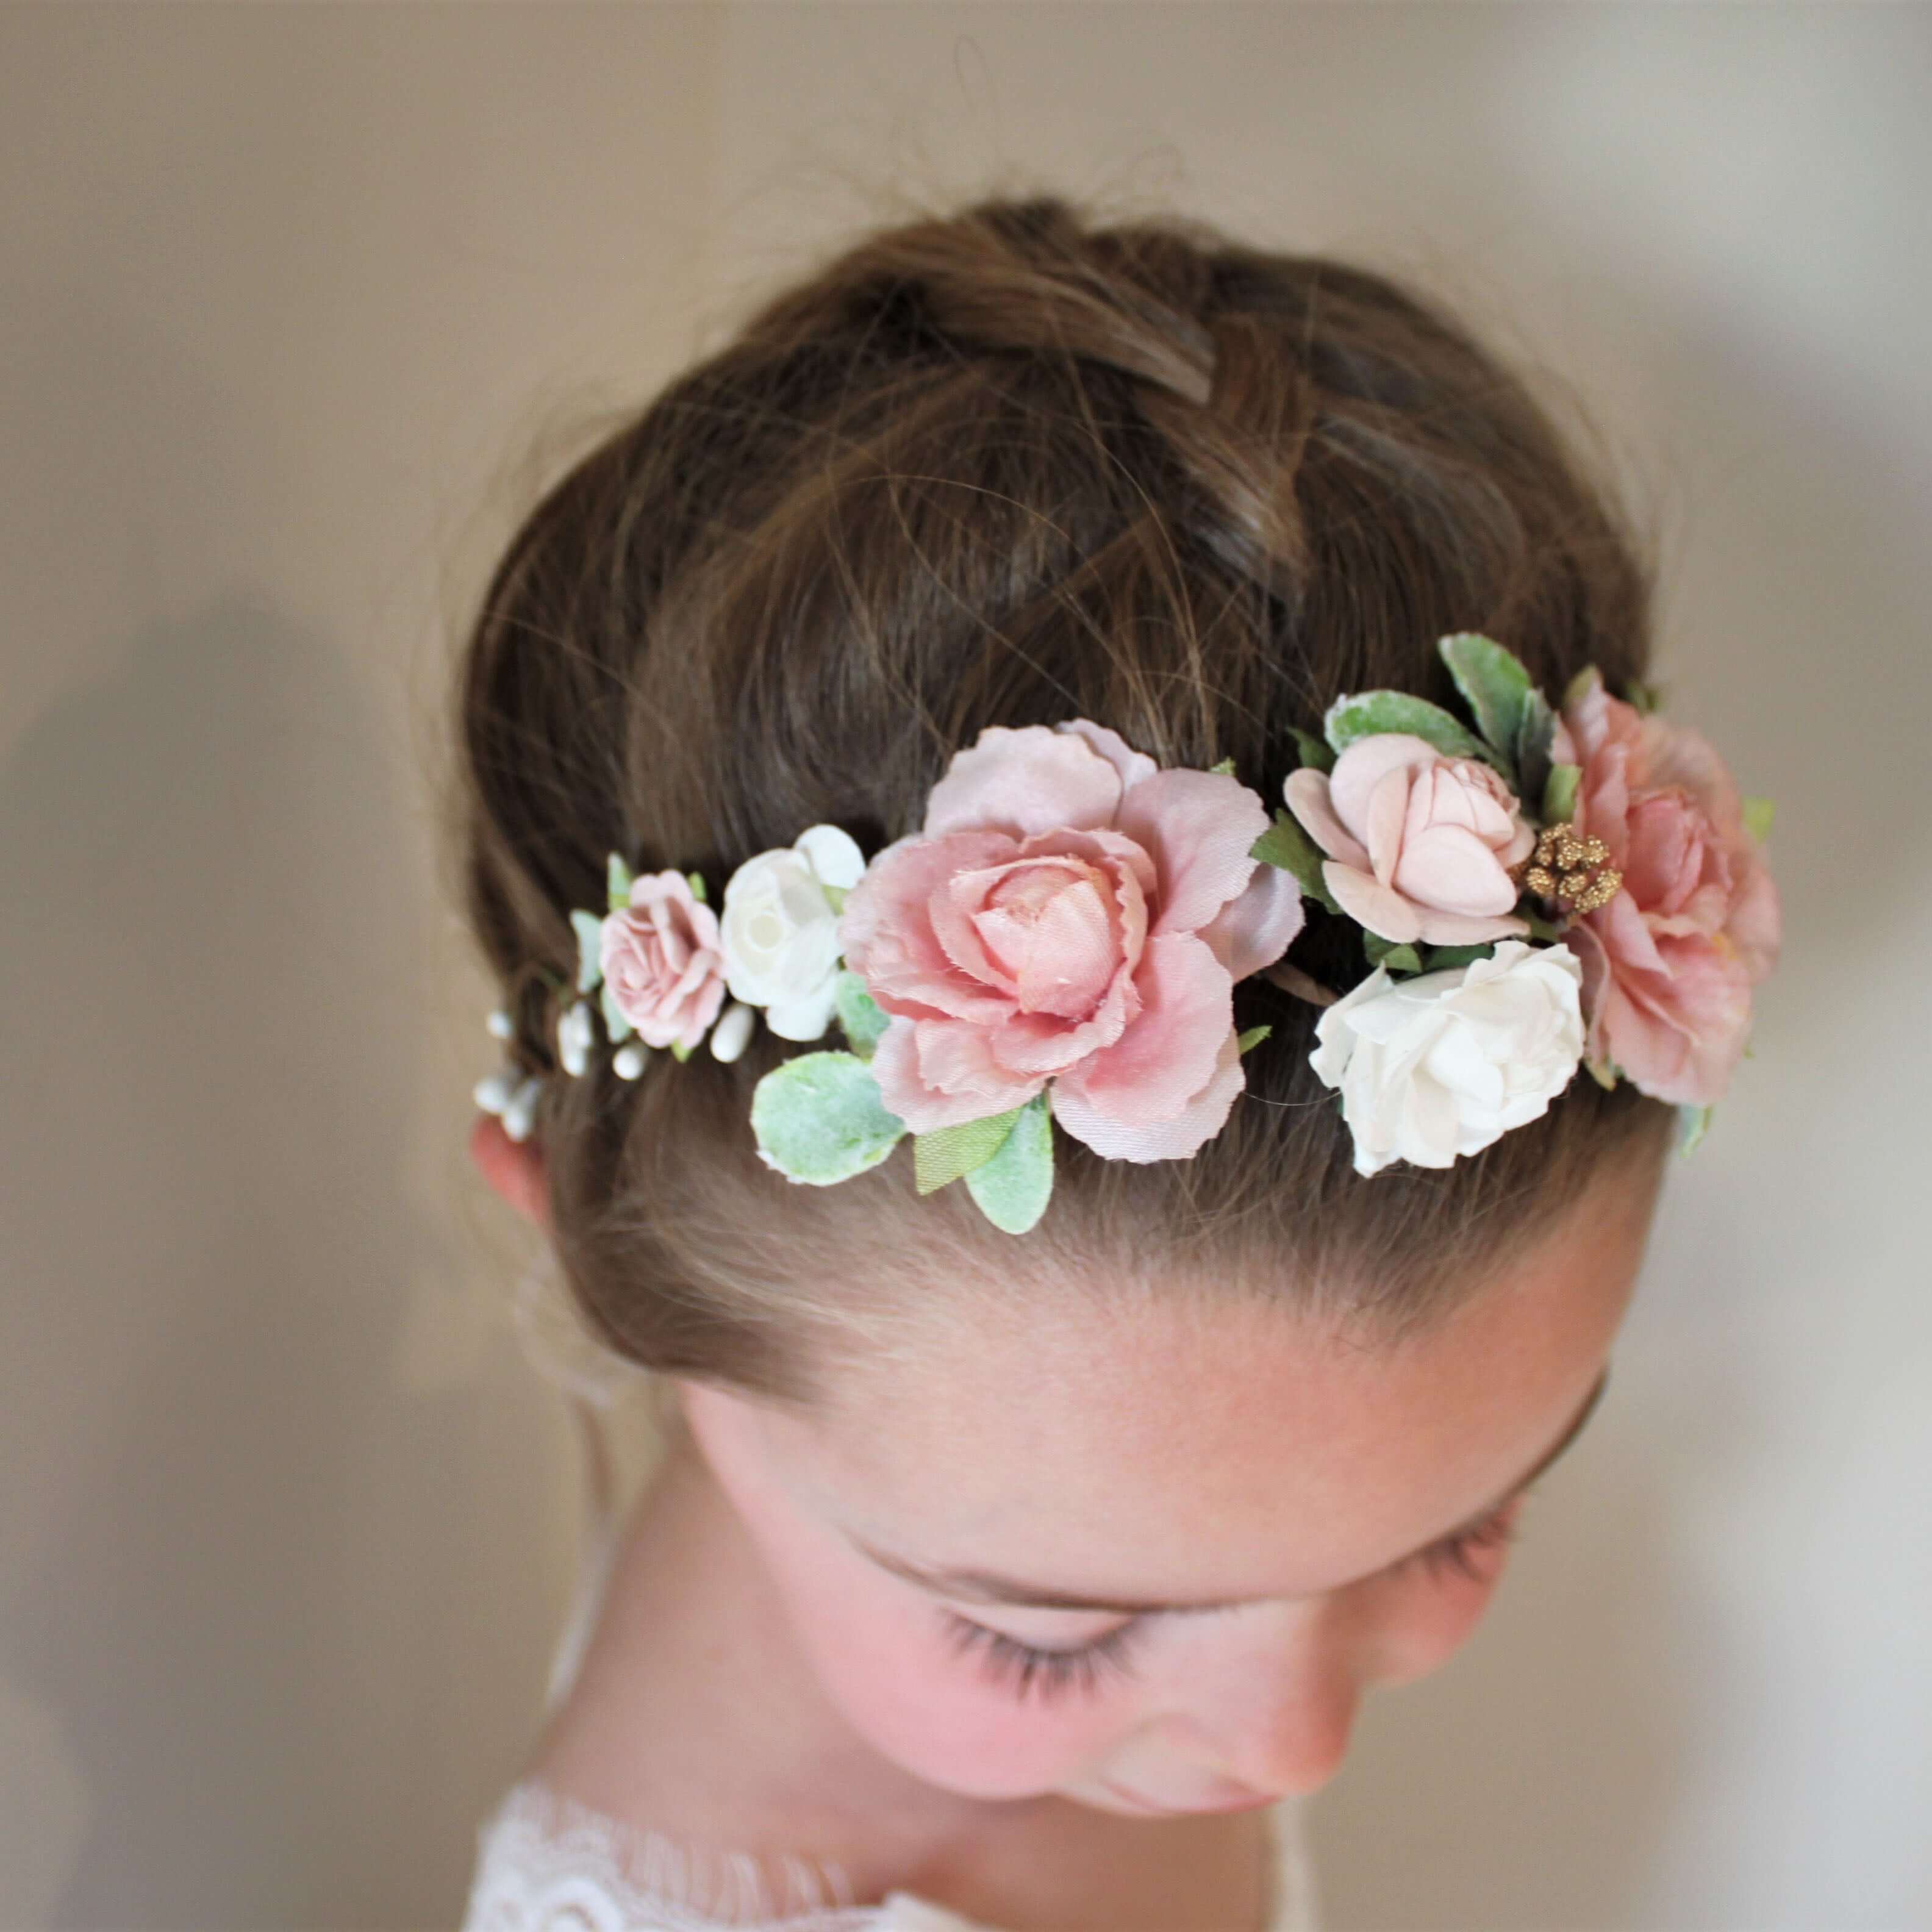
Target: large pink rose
column 1419, row 846
column 663, row 962
column 1669, row 962
column 1070, row 913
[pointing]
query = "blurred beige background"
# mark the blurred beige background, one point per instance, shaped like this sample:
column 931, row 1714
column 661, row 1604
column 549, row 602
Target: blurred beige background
column 288, row 297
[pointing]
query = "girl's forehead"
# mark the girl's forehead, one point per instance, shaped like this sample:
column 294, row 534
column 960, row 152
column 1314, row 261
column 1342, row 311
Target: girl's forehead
column 1064, row 1439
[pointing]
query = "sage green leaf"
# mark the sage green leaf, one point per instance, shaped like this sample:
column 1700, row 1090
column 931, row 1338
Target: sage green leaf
column 1317, row 754
column 1602, row 1071
column 617, row 884
column 1398, row 958
column 1692, row 1123
column 834, row 896
column 1441, row 959
column 1644, row 697
column 1012, row 1188
column 678, row 1051
column 1495, row 685
column 1757, row 817
column 1559, row 793
column 1254, row 1036
column 861, row 1016
column 1286, row 845
column 1224, row 766
column 1368, row 712
column 1540, row 928
column 947, row 1153
column 819, row 1118
column 615, row 1024
column 1535, row 737
column 695, row 880
column 589, row 930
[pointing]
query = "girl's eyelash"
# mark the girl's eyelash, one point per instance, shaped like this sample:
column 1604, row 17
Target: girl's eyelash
column 1459, row 1551
column 1024, row 1667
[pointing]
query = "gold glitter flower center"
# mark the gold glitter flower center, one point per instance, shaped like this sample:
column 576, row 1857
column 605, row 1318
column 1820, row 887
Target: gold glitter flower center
column 1575, row 872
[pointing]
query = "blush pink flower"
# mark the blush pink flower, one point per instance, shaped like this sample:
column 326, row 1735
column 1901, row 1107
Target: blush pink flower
column 663, row 961
column 1669, row 962
column 1070, row 913
column 1419, row 846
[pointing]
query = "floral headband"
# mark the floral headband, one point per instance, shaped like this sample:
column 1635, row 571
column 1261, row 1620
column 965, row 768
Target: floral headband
column 1059, row 942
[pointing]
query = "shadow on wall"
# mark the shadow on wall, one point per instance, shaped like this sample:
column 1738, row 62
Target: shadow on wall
column 206, row 946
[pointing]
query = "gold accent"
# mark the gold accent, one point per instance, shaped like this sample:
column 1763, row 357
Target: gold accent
column 1575, row 872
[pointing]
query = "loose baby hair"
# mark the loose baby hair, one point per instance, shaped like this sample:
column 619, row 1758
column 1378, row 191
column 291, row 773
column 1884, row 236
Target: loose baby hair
column 1007, row 465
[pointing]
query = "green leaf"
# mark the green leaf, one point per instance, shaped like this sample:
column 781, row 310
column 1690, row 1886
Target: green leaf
column 1012, row 1188
column 589, row 929
column 1286, row 845
column 860, row 1015
column 1441, row 959
column 1757, row 817
column 1602, row 1071
column 1368, row 712
column 1645, row 697
column 1534, row 739
column 617, row 884
column 1540, row 928
column 1692, row 1123
column 1224, row 766
column 678, row 1051
column 834, row 896
column 947, row 1153
column 695, row 880
column 1254, row 1036
column 615, row 1024
column 1398, row 957
column 1495, row 685
column 1559, row 793
column 1316, row 753
column 819, row 1119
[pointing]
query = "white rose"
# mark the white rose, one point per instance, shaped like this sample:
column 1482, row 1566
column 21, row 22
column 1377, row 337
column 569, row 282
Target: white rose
column 780, row 929
column 1444, row 1063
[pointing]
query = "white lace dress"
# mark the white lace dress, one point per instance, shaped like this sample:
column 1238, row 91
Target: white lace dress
column 546, row 1863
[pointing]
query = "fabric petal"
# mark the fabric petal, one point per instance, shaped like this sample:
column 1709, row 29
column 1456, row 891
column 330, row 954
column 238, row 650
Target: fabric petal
column 1255, row 928
column 1305, row 792
column 1026, row 779
column 1178, row 1139
column 1361, row 767
column 1381, row 908
column 1453, row 870
column 1199, row 826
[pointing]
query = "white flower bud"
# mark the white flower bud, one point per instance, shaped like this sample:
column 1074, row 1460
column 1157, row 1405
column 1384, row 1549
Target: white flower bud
column 732, row 1032
column 628, row 1061
column 500, row 1025
column 520, row 1116
column 492, row 1092
column 574, row 1039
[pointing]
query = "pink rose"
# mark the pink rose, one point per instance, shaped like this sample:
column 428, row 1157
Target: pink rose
column 1419, row 845
column 663, row 962
column 1669, row 962
column 1070, row 913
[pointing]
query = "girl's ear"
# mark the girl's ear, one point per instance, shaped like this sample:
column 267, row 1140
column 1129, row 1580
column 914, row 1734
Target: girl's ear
column 514, row 1168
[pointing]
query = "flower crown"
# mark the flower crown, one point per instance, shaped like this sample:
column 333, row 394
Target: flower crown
column 1061, row 941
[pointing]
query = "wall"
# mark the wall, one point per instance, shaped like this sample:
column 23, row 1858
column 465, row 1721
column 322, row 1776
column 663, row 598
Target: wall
column 288, row 297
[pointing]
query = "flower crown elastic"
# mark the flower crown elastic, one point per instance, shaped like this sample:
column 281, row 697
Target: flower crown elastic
column 1061, row 940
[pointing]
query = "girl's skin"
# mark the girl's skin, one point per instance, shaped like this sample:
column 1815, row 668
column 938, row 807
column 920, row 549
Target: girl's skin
column 759, row 1681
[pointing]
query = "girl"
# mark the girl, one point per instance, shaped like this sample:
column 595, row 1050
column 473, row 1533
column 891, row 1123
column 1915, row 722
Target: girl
column 1137, row 717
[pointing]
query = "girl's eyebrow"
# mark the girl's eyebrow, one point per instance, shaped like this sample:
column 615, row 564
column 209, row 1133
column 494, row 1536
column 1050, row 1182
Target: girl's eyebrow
column 983, row 1586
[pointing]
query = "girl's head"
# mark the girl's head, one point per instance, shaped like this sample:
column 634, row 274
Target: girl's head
column 1011, row 467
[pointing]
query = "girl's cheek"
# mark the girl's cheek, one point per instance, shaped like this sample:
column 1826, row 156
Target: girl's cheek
column 887, row 1665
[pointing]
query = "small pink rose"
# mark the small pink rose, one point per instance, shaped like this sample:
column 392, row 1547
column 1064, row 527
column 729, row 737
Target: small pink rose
column 1419, row 846
column 1669, row 962
column 663, row 962
column 1070, row 914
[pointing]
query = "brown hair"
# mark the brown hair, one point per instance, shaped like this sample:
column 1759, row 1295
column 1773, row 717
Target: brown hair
column 1007, row 465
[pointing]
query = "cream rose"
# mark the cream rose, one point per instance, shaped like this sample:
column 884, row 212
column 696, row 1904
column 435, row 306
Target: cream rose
column 1444, row 1063
column 780, row 929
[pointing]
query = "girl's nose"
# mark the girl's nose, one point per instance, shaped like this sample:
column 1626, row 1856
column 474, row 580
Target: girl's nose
column 1275, row 1710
